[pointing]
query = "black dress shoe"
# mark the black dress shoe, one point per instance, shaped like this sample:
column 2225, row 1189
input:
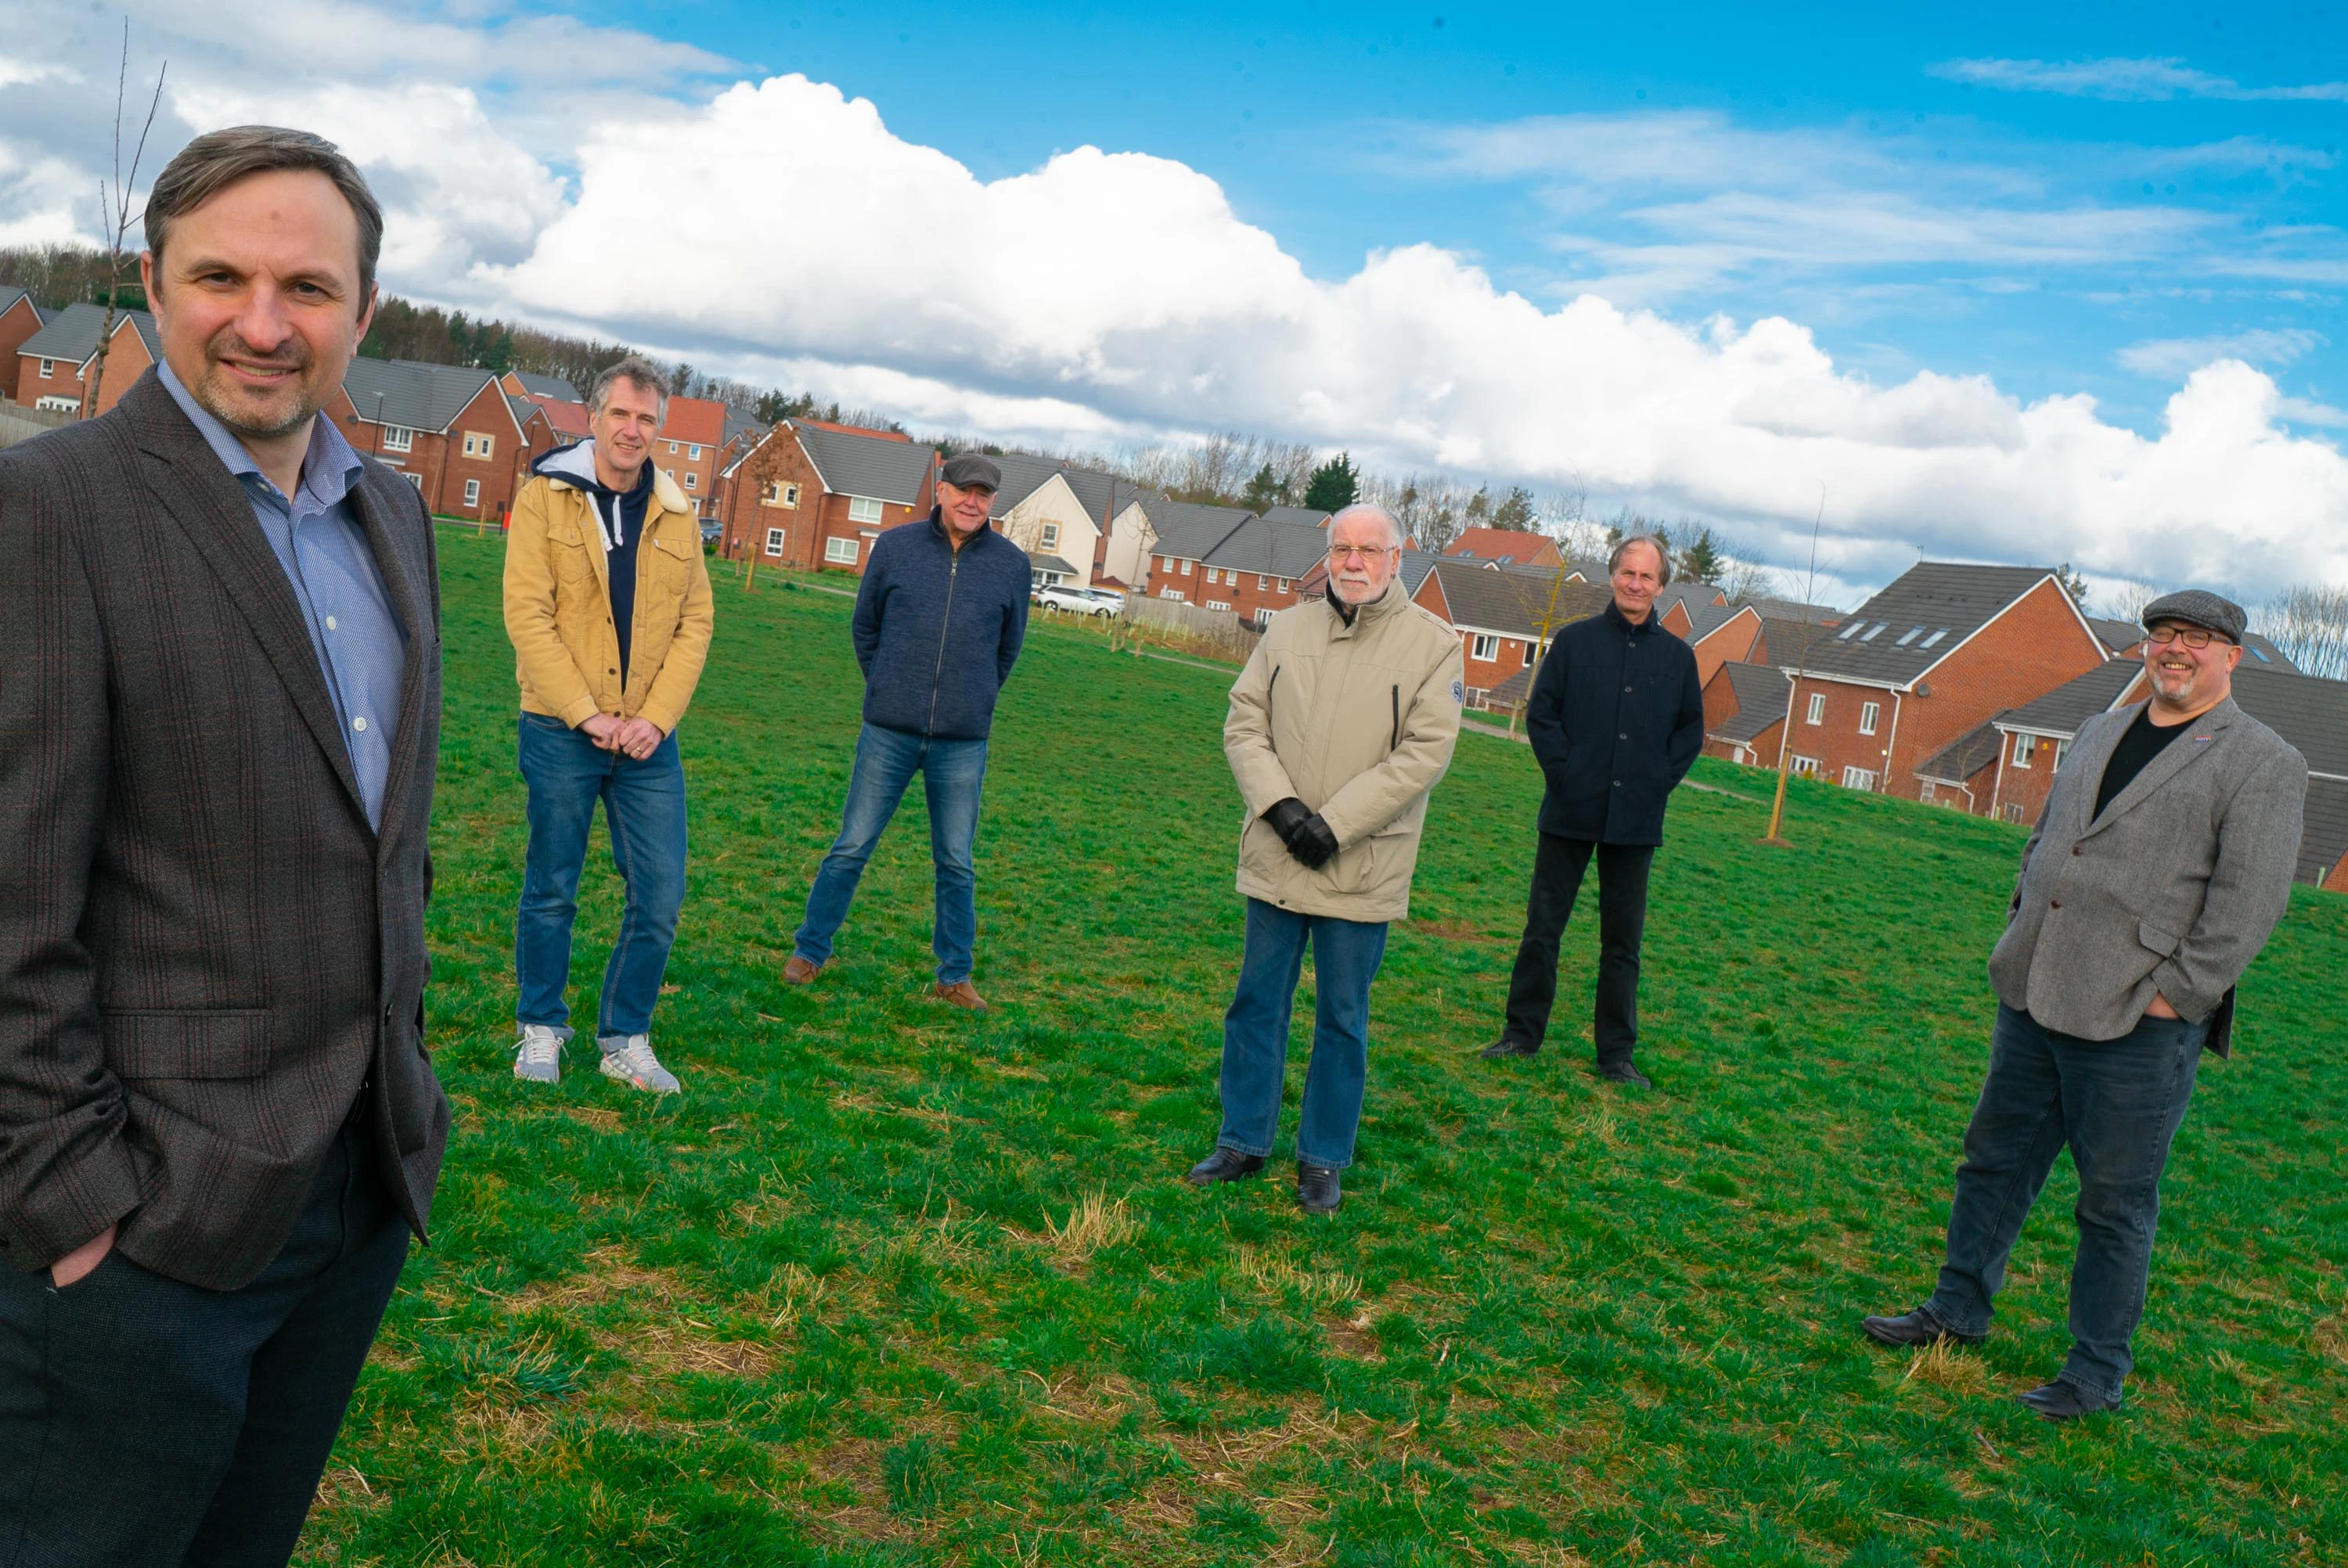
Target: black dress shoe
column 2061, row 1401
column 1225, row 1165
column 1503, row 1047
column 1316, row 1189
column 1914, row 1330
column 1623, row 1072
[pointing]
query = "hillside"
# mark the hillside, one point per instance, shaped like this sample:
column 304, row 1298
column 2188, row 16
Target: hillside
column 892, row 1284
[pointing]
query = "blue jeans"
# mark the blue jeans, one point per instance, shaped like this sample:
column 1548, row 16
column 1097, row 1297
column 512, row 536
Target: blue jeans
column 886, row 761
column 1345, row 958
column 644, row 806
column 2117, row 1104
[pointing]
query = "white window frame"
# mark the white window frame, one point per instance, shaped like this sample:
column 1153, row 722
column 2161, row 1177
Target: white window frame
column 1218, row 604
column 1868, row 714
column 1048, row 537
column 1483, row 646
column 480, row 445
column 2062, row 748
column 775, row 541
column 1173, row 593
column 863, row 509
column 692, row 452
column 1262, row 582
column 1283, row 583
column 840, row 551
column 472, row 492
column 48, row 369
column 672, row 448
column 2024, row 744
column 1803, row 767
column 1263, row 617
column 791, row 497
column 1186, row 568
column 399, row 438
column 1859, row 779
column 692, row 481
column 58, row 404
column 413, row 479
column 1816, row 711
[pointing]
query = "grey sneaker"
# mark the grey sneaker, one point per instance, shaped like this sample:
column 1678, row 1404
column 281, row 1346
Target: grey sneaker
column 629, row 1059
column 538, row 1060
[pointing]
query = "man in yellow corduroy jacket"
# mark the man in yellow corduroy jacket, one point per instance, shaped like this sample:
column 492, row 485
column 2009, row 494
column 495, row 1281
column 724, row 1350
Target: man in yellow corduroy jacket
column 607, row 603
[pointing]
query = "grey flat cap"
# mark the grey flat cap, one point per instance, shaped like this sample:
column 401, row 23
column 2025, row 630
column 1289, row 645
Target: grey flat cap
column 972, row 471
column 2198, row 607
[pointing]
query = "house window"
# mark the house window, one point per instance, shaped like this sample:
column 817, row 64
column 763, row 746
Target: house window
column 1263, row 618
column 692, row 481
column 48, row 368
column 472, row 492
column 1857, row 778
column 842, row 551
column 1186, row 568
column 694, row 453
column 1050, row 537
column 1930, row 792
column 1868, row 714
column 672, row 448
column 773, row 541
column 863, row 510
column 60, row 405
column 1806, row 767
column 1484, row 647
column 2011, row 812
column 399, row 438
column 479, row 445
column 1218, row 604
column 1262, row 582
column 1283, row 585
column 2061, row 747
column 1173, row 593
column 416, row 479
column 2023, row 746
column 1818, row 711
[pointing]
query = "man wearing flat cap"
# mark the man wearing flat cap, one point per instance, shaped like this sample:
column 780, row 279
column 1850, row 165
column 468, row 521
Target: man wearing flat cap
column 938, row 625
column 2162, row 861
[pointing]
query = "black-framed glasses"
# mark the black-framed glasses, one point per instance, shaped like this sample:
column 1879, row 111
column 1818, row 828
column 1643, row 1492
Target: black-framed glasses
column 2191, row 636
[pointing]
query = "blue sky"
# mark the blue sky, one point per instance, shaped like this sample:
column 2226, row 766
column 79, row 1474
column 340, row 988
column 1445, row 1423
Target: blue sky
column 2153, row 208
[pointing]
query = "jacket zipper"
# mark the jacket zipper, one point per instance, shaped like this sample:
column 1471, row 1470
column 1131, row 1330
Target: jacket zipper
column 1395, row 743
column 938, row 675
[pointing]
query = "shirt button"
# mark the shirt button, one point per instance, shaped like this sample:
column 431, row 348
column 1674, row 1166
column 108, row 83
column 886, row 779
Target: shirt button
column 1618, row 784
column 359, row 724
column 330, row 623
column 1623, row 736
column 1626, row 688
column 2054, row 902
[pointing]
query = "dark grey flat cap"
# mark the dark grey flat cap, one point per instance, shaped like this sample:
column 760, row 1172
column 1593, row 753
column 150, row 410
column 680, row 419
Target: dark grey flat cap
column 2198, row 607
column 972, row 471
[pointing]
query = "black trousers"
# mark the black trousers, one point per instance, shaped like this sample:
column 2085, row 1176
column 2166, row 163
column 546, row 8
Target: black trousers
column 1558, row 868
column 145, row 1421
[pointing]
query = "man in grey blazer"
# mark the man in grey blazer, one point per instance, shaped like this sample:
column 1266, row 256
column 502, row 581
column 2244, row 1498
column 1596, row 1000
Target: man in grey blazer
column 220, row 708
column 2159, row 867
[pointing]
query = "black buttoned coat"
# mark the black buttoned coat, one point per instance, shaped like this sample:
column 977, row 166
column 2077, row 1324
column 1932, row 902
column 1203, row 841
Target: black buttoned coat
column 1616, row 717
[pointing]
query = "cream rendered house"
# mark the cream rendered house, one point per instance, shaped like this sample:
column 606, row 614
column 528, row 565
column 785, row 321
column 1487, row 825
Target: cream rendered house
column 1076, row 524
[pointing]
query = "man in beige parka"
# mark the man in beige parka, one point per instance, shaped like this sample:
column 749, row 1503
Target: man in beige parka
column 1339, row 725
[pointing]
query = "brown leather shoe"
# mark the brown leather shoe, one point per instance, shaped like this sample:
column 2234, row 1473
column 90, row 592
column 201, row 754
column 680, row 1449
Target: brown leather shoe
column 800, row 972
column 961, row 993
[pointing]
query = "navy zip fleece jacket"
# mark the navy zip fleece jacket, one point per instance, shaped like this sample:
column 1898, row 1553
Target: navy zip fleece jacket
column 938, row 630
column 1616, row 718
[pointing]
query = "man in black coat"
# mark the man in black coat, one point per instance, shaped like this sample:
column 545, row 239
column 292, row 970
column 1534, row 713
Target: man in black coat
column 1616, row 717
column 220, row 708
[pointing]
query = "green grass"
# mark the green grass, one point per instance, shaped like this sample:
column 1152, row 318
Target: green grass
column 889, row 1284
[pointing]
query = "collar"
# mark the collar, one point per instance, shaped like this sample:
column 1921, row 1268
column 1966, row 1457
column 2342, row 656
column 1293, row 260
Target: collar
column 1387, row 599
column 938, row 526
column 1614, row 613
column 329, row 468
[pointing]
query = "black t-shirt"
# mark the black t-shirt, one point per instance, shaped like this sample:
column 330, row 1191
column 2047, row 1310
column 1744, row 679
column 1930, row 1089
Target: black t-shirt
column 2144, row 741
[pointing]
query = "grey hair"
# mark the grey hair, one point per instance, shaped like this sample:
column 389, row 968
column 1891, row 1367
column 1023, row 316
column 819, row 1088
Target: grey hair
column 638, row 371
column 218, row 158
column 1364, row 510
column 1663, row 555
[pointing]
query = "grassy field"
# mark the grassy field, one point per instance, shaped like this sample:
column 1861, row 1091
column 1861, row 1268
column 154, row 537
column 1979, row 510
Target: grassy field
column 889, row 1284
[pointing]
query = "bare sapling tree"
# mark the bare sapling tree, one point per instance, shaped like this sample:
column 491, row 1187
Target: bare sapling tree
column 114, row 212
column 2308, row 623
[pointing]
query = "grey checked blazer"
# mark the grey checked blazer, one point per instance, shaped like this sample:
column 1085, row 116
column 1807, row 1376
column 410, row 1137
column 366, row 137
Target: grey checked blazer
column 204, row 949
column 2173, row 889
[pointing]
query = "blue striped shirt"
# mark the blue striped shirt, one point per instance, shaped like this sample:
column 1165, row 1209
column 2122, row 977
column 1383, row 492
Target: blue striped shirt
column 361, row 645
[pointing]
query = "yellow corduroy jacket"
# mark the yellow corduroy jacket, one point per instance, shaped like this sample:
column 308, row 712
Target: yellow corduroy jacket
column 558, row 607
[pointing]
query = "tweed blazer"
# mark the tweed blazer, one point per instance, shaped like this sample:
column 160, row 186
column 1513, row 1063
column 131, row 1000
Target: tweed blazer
column 2172, row 890
column 205, row 948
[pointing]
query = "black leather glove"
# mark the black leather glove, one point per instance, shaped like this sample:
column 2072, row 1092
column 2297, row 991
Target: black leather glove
column 1286, row 816
column 1314, row 846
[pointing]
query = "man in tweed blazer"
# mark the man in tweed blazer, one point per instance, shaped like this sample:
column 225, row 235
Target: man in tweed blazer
column 220, row 696
column 2159, row 867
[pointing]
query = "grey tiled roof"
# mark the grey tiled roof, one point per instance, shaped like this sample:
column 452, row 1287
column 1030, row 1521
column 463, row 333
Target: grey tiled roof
column 71, row 334
column 1791, row 609
column 2308, row 710
column 1051, row 563
column 2061, row 712
column 2258, row 651
column 1025, row 473
column 1762, row 690
column 1187, row 530
column 1917, row 621
column 1271, row 549
column 411, row 394
column 548, row 387
column 869, row 466
column 1295, row 514
column 2120, row 636
column 1956, row 762
column 1691, row 592
column 1512, row 601
column 2325, row 840
column 522, row 408
column 1706, row 619
column 1789, row 641
column 742, row 427
column 8, row 298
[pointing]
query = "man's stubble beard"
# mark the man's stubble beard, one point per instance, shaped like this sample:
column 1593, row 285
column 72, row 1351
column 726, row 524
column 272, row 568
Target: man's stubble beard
column 211, row 390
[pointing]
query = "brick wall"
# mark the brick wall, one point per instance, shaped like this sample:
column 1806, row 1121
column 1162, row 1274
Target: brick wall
column 17, row 322
column 1731, row 644
column 125, row 363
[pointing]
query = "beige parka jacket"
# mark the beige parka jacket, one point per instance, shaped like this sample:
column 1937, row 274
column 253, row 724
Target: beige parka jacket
column 1357, row 722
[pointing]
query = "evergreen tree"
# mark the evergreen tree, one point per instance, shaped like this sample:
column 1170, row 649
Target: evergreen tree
column 1702, row 560
column 2073, row 583
column 1515, row 511
column 1334, row 486
column 1264, row 491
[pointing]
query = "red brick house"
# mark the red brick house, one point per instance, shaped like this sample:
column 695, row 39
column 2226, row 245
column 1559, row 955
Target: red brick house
column 1722, row 634
column 455, row 433
column 53, row 362
column 1188, row 532
column 1255, row 571
column 814, row 496
column 1506, row 619
column 20, row 318
column 1745, row 713
column 687, row 445
column 1935, row 655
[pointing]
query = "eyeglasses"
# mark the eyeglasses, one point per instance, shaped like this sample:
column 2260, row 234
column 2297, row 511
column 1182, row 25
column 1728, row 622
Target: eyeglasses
column 1357, row 552
column 2191, row 636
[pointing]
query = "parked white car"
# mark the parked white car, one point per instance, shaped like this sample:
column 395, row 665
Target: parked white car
column 1081, row 600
